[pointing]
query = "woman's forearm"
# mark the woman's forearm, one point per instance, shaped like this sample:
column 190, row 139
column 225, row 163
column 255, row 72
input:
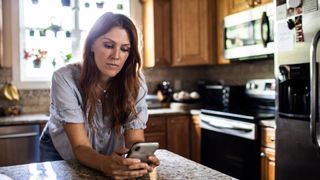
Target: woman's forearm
column 90, row 158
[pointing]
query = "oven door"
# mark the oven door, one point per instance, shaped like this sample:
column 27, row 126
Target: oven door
column 230, row 146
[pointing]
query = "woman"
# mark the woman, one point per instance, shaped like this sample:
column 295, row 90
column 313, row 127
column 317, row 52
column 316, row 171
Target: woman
column 98, row 107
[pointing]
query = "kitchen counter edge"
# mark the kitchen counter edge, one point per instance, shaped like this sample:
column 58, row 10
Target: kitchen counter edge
column 43, row 118
column 172, row 166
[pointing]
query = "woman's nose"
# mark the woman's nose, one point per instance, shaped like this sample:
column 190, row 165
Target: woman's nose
column 116, row 53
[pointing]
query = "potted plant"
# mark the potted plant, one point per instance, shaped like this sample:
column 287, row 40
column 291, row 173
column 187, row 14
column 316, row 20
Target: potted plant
column 37, row 55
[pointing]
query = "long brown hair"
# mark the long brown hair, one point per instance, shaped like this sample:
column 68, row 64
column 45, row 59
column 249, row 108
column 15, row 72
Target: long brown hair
column 124, row 87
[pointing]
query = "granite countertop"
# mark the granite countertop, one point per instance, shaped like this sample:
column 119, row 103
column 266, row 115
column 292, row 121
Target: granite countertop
column 268, row 123
column 172, row 166
column 43, row 118
column 24, row 119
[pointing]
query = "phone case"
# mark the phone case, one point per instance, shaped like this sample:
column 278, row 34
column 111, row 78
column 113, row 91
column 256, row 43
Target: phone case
column 143, row 150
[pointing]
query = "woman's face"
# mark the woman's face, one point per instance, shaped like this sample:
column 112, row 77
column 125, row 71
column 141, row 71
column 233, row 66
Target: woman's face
column 111, row 51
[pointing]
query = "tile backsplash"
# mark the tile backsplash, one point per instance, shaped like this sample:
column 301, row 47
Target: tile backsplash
column 181, row 78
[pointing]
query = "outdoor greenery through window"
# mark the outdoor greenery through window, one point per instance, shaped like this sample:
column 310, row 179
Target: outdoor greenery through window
column 53, row 32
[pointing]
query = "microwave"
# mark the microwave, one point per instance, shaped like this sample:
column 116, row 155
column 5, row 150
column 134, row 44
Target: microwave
column 250, row 34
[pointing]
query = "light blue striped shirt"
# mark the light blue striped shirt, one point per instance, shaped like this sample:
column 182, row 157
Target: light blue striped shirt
column 67, row 107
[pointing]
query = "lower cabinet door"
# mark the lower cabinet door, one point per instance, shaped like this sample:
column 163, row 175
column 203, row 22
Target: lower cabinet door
column 159, row 137
column 267, row 164
column 178, row 135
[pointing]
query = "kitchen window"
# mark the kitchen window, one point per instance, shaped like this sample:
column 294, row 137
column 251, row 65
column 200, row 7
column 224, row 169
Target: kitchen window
column 51, row 34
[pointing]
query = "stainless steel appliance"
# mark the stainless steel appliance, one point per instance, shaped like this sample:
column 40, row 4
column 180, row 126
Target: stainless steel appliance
column 19, row 144
column 230, row 140
column 297, row 73
column 249, row 34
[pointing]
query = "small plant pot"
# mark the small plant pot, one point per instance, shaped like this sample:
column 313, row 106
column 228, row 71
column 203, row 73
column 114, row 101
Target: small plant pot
column 65, row 3
column 42, row 33
column 68, row 34
column 31, row 32
column 37, row 63
column 100, row 4
column 35, row 1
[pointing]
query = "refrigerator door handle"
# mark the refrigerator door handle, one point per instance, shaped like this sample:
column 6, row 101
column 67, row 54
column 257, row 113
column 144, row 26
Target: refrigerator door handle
column 314, row 90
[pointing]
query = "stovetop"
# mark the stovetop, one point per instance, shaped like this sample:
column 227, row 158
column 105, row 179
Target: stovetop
column 243, row 113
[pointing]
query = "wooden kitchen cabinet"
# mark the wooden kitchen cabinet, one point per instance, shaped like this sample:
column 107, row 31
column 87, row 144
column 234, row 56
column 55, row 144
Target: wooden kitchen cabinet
column 157, row 32
column 267, row 153
column 195, row 133
column 156, row 131
column 193, row 32
column 171, row 131
column 222, row 11
column 241, row 5
column 178, row 135
column 1, row 36
column 179, row 33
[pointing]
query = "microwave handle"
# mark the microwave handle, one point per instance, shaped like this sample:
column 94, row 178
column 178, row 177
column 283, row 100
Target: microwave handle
column 265, row 29
column 314, row 95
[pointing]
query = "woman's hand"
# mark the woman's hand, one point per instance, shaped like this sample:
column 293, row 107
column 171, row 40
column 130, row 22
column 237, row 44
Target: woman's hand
column 119, row 167
column 154, row 162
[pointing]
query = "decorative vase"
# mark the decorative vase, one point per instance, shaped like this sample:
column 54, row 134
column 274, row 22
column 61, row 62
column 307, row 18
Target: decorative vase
column 37, row 63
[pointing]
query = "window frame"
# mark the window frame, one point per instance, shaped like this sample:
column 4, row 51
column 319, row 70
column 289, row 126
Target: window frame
column 12, row 41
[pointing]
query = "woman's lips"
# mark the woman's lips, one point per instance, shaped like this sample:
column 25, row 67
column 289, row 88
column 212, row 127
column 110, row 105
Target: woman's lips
column 110, row 65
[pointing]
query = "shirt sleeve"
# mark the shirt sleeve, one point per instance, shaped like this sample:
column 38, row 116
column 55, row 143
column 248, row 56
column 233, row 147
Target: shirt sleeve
column 65, row 100
column 141, row 108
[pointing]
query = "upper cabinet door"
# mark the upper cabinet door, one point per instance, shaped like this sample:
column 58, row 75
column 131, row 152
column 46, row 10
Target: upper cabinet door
column 156, row 32
column 1, row 36
column 193, row 32
column 162, row 35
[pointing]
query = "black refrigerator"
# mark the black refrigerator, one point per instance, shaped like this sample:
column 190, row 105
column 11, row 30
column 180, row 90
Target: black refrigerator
column 297, row 34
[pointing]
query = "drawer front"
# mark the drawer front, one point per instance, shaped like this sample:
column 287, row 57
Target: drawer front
column 157, row 137
column 156, row 124
column 268, row 137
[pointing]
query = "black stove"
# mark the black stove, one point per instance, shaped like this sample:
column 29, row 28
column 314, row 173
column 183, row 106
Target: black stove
column 242, row 114
column 251, row 103
column 229, row 120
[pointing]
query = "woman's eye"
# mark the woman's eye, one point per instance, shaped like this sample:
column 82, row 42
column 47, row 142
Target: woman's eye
column 125, row 49
column 109, row 46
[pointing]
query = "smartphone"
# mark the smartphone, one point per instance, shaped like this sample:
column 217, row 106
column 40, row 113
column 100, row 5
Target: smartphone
column 142, row 150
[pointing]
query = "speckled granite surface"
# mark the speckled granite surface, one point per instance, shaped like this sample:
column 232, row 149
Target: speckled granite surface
column 172, row 167
column 268, row 123
column 24, row 119
column 42, row 118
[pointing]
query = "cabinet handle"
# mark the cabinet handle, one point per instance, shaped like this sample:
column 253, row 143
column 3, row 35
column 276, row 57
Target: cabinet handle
column 262, row 154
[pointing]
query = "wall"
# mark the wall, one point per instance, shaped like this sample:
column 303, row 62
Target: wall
column 181, row 78
column 185, row 78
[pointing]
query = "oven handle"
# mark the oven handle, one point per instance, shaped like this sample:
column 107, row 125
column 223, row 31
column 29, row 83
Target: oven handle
column 224, row 127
